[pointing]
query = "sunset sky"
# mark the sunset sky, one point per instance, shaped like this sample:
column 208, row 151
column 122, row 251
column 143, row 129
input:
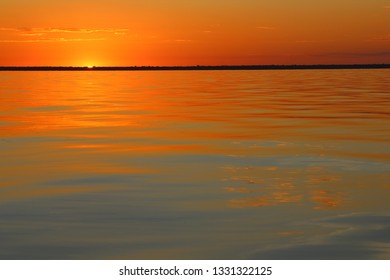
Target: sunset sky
column 193, row 32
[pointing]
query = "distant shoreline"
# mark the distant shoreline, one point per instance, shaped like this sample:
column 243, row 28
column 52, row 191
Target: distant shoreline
column 199, row 67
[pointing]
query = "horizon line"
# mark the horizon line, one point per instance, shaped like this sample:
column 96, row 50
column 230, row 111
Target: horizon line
column 201, row 67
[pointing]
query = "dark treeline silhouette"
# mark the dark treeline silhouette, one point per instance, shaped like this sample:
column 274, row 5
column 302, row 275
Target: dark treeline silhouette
column 198, row 67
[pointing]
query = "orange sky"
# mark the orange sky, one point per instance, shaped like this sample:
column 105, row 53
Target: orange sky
column 191, row 32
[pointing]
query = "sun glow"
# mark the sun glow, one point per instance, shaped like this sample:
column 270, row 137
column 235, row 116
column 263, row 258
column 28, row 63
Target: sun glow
column 88, row 63
column 192, row 33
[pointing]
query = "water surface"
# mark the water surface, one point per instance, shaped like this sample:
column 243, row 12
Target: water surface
column 195, row 165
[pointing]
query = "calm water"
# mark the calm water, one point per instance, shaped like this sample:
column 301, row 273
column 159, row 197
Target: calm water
column 195, row 165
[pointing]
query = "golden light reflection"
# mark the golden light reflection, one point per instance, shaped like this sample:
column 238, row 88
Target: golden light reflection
column 239, row 190
column 327, row 199
column 272, row 199
column 321, row 179
column 284, row 138
column 279, row 186
column 288, row 233
column 251, row 202
column 45, row 192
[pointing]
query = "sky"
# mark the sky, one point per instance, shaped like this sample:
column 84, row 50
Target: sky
column 193, row 32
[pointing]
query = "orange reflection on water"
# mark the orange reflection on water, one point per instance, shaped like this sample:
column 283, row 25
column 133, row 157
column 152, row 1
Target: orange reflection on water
column 272, row 199
column 322, row 199
column 162, row 159
column 287, row 233
column 327, row 199
column 252, row 202
column 102, row 120
column 239, row 190
column 319, row 179
column 45, row 192
column 251, row 105
column 280, row 186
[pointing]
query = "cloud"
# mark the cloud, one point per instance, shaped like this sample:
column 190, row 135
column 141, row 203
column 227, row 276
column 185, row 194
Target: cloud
column 33, row 35
column 178, row 41
column 79, row 30
column 381, row 38
column 183, row 41
column 307, row 41
column 386, row 7
column 51, row 40
column 265, row 27
column 30, row 31
column 8, row 29
column 353, row 54
column 312, row 41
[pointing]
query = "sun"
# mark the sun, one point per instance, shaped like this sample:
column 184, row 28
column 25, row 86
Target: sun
column 88, row 64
